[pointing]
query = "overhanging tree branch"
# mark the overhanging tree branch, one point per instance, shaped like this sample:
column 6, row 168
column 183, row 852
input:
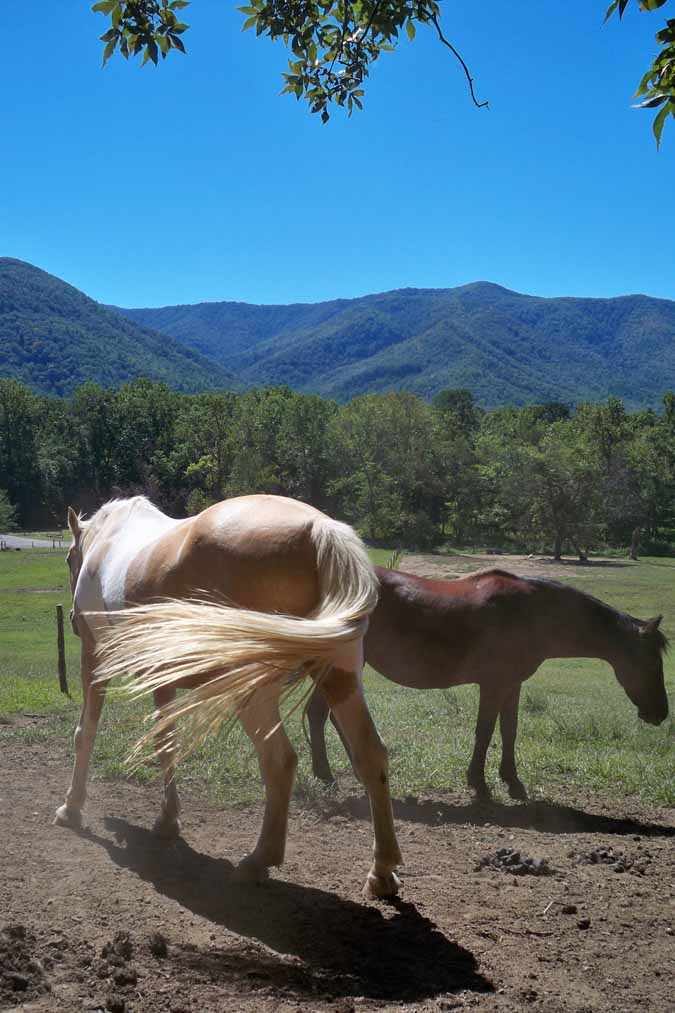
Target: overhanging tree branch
column 441, row 36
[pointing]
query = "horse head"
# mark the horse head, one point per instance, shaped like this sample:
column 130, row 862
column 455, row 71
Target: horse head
column 640, row 670
column 74, row 555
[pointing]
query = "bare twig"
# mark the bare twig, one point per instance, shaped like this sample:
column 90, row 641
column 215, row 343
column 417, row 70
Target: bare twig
column 434, row 20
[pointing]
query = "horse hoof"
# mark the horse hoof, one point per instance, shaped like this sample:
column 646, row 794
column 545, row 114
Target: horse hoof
column 481, row 793
column 250, row 873
column 381, row 886
column 518, row 791
column 65, row 817
column 166, row 829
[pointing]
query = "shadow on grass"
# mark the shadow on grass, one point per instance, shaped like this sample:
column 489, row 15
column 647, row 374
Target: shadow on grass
column 547, row 817
column 586, row 564
column 344, row 948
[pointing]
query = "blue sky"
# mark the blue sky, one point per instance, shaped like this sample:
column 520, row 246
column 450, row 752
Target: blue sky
column 197, row 181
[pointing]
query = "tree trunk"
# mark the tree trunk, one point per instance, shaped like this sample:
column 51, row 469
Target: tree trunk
column 635, row 543
column 557, row 548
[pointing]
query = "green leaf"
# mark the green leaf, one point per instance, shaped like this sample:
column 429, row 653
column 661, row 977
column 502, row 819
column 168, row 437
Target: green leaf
column 610, row 10
column 176, row 42
column 249, row 22
column 104, row 6
column 651, row 103
column 657, row 126
column 150, row 53
column 410, row 29
column 108, row 51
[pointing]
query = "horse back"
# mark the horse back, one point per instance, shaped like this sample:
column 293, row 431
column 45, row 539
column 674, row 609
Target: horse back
column 435, row 633
column 254, row 551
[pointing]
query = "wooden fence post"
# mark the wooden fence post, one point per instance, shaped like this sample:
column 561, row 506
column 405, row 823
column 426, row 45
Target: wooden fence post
column 63, row 681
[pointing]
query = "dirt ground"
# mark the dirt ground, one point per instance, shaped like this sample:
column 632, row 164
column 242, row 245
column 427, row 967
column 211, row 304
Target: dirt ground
column 443, row 567
column 111, row 919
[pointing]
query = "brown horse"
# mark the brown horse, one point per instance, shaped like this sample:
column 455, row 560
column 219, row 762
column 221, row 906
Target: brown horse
column 495, row 629
column 229, row 605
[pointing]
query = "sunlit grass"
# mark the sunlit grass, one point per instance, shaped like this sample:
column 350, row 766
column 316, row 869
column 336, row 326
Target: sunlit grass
column 577, row 728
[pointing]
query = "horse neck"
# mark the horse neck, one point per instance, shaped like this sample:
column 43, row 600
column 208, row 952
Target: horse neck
column 587, row 628
column 128, row 526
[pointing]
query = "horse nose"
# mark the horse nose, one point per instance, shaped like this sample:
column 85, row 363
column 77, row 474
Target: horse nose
column 655, row 717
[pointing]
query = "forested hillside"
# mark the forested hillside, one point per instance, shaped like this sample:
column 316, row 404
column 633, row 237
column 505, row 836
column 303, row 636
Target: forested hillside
column 53, row 338
column 503, row 346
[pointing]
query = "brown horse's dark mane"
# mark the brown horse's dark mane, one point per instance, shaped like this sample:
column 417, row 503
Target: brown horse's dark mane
column 628, row 622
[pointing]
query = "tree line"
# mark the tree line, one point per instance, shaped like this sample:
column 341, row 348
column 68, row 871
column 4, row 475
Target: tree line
column 405, row 472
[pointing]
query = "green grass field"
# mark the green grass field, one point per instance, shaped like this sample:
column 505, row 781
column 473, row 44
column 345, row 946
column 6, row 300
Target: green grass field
column 577, row 727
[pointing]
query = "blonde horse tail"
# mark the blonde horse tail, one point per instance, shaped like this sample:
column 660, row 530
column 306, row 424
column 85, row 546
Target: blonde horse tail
column 230, row 653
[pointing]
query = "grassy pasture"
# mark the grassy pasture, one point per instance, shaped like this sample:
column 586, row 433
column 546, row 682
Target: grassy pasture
column 577, row 727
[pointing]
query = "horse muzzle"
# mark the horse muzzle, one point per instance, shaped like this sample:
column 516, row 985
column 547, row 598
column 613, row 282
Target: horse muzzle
column 656, row 717
column 73, row 623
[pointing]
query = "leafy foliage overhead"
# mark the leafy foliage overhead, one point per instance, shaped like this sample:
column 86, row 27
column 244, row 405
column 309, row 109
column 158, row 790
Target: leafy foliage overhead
column 657, row 87
column 333, row 43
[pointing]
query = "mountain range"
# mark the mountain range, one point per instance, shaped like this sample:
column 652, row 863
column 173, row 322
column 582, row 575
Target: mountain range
column 503, row 346
column 53, row 338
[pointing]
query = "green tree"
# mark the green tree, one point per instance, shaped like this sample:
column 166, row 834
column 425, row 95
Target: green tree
column 144, row 415
column 393, row 479
column 195, row 470
column 541, row 483
column 19, row 473
column 7, row 513
column 280, row 444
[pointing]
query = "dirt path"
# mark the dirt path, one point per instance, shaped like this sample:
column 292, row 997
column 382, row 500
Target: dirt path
column 595, row 934
column 20, row 542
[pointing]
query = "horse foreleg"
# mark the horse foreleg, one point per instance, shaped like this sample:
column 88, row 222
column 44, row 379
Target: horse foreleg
column 317, row 715
column 344, row 693
column 167, row 823
column 488, row 709
column 70, row 813
column 508, row 726
column 277, row 761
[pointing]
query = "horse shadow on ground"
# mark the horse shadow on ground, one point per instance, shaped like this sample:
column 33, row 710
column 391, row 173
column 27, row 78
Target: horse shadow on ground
column 545, row 816
column 324, row 944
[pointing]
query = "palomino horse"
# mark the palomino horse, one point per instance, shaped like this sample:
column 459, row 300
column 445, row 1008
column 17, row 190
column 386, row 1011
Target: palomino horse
column 303, row 588
column 496, row 629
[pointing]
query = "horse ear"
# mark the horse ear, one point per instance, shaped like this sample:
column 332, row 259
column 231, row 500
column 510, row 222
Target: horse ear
column 74, row 523
column 652, row 625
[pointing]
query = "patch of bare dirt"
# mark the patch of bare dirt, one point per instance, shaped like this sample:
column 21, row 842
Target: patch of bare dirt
column 443, row 567
column 110, row 919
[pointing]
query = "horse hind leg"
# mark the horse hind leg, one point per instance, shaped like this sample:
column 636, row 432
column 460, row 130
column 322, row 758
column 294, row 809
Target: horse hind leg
column 93, row 695
column 508, row 726
column 368, row 753
column 167, row 823
column 277, row 761
column 317, row 715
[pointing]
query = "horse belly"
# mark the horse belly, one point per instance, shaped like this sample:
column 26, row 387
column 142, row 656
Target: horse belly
column 414, row 660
